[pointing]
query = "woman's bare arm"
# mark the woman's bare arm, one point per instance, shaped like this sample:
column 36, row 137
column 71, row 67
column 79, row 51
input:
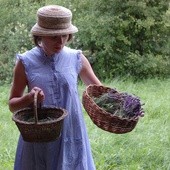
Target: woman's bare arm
column 87, row 74
column 18, row 99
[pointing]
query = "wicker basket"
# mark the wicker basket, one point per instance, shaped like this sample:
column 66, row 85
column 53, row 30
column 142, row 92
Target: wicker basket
column 39, row 131
column 100, row 117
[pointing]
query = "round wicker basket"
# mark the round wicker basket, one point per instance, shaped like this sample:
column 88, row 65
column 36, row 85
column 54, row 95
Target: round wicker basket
column 104, row 120
column 38, row 130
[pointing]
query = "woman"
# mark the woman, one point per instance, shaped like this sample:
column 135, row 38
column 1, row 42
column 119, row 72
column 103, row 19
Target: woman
column 53, row 69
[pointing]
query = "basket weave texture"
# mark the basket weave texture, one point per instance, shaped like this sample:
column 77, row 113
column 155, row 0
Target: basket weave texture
column 100, row 117
column 40, row 131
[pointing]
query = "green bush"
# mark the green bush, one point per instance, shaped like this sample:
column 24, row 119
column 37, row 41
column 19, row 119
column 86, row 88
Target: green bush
column 119, row 38
column 114, row 31
column 146, row 66
column 15, row 34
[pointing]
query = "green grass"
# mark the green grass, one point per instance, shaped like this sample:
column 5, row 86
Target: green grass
column 147, row 147
column 8, row 132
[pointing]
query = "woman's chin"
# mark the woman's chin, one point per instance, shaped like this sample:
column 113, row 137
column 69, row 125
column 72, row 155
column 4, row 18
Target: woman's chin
column 57, row 49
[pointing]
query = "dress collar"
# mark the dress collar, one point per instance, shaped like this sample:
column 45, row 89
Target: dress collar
column 47, row 59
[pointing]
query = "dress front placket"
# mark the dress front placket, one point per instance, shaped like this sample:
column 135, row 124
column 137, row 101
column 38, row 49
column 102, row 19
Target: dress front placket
column 55, row 84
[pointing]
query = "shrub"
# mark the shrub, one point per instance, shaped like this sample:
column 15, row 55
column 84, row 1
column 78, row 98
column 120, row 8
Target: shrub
column 15, row 34
column 120, row 38
column 114, row 31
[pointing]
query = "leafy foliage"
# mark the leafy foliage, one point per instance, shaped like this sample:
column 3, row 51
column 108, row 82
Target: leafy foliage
column 15, row 36
column 119, row 38
column 115, row 30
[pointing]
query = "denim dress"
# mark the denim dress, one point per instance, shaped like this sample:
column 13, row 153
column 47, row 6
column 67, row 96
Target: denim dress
column 57, row 76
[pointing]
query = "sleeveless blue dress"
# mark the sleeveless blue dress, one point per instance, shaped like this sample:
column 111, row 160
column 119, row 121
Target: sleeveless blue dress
column 57, row 76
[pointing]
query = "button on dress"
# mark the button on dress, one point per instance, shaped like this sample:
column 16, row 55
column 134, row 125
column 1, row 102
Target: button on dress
column 57, row 76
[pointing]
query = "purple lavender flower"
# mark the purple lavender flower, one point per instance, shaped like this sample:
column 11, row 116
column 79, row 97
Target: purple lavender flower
column 131, row 105
column 120, row 104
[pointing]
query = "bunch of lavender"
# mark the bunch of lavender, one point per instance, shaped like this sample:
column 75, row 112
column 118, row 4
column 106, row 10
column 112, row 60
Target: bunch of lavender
column 120, row 104
column 132, row 106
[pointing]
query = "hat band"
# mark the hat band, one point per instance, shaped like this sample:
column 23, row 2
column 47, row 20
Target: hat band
column 54, row 23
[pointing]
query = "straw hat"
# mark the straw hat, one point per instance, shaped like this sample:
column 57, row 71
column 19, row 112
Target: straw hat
column 53, row 20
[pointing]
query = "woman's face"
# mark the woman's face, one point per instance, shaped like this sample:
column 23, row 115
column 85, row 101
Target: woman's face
column 53, row 44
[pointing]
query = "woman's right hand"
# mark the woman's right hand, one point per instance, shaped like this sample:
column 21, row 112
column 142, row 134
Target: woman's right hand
column 40, row 96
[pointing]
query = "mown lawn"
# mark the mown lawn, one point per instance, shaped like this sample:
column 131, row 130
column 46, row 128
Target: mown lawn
column 147, row 147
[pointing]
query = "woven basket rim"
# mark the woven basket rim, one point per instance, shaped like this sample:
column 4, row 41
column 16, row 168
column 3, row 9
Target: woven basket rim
column 65, row 113
column 104, row 111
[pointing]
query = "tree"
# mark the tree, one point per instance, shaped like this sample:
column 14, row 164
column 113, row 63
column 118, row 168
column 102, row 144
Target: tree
column 124, row 34
column 119, row 37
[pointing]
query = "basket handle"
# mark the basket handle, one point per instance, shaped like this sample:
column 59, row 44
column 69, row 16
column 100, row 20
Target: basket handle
column 35, row 106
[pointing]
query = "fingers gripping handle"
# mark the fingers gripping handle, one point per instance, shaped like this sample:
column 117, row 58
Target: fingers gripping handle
column 35, row 106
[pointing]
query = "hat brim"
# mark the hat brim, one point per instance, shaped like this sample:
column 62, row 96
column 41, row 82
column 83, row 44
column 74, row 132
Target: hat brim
column 39, row 31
